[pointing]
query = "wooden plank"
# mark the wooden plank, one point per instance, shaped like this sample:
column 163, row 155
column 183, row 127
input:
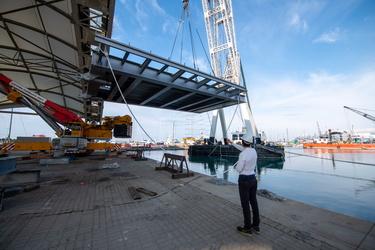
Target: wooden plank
column 175, row 157
column 182, row 175
column 172, row 170
column 140, row 159
column 2, row 190
column 134, row 193
column 31, row 187
column 146, row 191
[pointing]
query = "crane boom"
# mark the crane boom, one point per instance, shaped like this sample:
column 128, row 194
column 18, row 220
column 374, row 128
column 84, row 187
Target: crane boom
column 320, row 133
column 75, row 134
column 225, row 58
column 370, row 117
column 50, row 112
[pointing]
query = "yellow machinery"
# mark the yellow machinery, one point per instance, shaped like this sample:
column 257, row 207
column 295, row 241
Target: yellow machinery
column 197, row 142
column 74, row 134
column 185, row 140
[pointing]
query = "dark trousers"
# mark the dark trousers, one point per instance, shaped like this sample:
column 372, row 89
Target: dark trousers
column 248, row 189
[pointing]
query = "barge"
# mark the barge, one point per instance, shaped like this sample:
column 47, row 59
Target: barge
column 228, row 150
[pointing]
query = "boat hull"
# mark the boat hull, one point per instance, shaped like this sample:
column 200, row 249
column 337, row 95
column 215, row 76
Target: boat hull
column 340, row 145
column 228, row 150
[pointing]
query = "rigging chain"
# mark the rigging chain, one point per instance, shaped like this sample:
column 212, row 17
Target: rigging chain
column 186, row 12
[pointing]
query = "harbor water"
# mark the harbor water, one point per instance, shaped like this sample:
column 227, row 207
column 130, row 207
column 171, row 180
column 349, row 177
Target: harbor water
column 338, row 180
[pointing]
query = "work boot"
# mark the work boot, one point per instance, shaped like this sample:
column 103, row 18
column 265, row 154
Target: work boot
column 256, row 229
column 244, row 231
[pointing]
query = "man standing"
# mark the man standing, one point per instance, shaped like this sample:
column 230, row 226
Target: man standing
column 248, row 185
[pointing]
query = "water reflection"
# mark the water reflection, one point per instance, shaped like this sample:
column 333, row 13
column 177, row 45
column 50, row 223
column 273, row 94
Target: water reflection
column 214, row 163
column 270, row 163
column 337, row 180
column 348, row 155
column 225, row 164
column 337, row 151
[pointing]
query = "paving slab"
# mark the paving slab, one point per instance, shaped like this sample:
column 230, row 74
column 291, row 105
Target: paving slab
column 83, row 205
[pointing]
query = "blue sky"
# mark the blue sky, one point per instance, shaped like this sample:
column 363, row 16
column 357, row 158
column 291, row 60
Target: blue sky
column 303, row 61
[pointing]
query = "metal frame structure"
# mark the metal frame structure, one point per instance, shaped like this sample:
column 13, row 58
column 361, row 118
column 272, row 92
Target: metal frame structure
column 45, row 43
column 152, row 81
column 368, row 116
column 47, row 47
column 225, row 58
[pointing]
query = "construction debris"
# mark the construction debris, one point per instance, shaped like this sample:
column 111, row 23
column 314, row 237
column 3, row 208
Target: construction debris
column 133, row 192
column 146, row 191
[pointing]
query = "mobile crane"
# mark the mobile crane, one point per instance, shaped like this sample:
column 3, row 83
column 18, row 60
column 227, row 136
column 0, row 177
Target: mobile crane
column 73, row 133
column 370, row 117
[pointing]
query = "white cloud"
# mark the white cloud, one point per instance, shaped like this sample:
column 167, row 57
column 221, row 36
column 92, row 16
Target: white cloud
column 203, row 65
column 329, row 37
column 156, row 7
column 141, row 14
column 200, row 62
column 127, row 4
column 295, row 20
column 297, row 23
column 147, row 12
column 117, row 26
column 297, row 103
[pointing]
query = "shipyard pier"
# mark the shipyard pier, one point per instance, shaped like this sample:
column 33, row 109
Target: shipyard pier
column 80, row 188
column 87, row 204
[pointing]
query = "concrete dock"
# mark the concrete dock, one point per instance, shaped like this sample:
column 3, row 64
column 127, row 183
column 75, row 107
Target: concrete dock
column 86, row 204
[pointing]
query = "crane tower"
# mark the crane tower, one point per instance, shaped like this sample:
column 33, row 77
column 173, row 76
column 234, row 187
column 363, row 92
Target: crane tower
column 225, row 58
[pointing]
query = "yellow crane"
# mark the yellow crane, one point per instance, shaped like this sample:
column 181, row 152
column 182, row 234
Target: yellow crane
column 197, row 142
column 73, row 133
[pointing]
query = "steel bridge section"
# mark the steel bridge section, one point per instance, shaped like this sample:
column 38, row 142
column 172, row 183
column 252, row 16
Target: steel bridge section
column 148, row 80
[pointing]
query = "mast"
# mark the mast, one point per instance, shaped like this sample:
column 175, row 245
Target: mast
column 10, row 125
column 225, row 58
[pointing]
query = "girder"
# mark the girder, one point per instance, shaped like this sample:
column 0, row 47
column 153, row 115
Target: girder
column 153, row 81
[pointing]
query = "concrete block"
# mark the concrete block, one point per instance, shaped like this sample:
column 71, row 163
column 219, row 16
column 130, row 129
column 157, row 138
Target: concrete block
column 20, row 177
column 8, row 164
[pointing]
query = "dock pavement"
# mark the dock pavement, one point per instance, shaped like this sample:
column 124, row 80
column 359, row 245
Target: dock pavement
column 86, row 204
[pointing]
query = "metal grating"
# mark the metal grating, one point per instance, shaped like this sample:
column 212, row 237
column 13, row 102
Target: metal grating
column 165, row 84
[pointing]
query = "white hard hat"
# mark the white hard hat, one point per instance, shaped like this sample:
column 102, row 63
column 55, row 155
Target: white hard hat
column 247, row 138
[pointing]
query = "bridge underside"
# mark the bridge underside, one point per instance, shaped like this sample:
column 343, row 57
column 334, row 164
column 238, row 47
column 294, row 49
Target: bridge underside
column 147, row 80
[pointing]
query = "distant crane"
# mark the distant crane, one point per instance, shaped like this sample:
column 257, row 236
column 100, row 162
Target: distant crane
column 320, row 133
column 370, row 117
